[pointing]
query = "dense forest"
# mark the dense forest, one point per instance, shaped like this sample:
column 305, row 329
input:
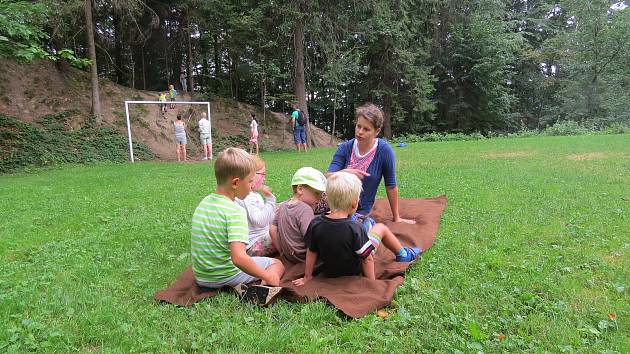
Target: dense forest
column 432, row 65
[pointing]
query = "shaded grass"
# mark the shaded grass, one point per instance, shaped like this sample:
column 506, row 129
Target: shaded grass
column 533, row 246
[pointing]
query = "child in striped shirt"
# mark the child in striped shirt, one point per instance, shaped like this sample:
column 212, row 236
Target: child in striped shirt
column 220, row 231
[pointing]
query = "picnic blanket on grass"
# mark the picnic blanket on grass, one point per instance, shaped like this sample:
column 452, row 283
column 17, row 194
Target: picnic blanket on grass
column 355, row 296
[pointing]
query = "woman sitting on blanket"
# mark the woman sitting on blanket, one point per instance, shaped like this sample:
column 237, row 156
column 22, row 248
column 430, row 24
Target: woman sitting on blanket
column 371, row 159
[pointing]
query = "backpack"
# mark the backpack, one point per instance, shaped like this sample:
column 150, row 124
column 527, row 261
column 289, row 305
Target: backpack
column 301, row 118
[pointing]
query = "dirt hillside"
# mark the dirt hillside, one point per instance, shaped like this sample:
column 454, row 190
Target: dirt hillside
column 30, row 91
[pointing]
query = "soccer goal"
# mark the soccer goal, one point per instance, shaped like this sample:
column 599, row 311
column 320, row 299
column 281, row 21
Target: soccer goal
column 127, row 103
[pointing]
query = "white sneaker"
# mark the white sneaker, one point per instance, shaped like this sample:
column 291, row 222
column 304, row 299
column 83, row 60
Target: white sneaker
column 204, row 159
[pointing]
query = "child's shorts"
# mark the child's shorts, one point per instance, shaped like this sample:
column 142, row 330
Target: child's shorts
column 241, row 277
column 180, row 140
column 261, row 247
column 367, row 222
column 254, row 138
column 375, row 239
column 205, row 139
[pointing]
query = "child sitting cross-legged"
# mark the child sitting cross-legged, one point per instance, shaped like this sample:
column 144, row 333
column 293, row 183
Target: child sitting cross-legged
column 220, row 234
column 341, row 244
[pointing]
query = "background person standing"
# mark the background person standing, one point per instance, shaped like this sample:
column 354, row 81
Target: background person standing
column 204, row 136
column 298, row 122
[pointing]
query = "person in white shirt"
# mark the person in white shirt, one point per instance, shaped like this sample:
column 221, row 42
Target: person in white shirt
column 253, row 137
column 260, row 205
column 204, row 136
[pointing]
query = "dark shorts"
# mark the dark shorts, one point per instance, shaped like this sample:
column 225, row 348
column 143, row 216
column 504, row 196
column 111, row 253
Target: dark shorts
column 299, row 135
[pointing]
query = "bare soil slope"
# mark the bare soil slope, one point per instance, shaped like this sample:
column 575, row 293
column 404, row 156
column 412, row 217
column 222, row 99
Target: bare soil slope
column 30, row 91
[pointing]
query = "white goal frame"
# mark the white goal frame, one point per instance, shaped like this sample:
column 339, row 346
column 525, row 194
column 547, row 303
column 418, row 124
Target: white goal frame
column 127, row 103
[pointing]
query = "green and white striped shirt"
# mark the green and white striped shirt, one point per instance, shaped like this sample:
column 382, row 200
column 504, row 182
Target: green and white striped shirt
column 217, row 222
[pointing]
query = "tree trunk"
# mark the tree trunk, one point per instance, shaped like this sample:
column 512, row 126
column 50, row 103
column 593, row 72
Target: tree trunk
column 89, row 29
column 299, row 86
column 144, row 74
column 119, row 51
column 332, row 133
column 263, row 95
column 387, row 121
column 189, row 57
column 217, row 63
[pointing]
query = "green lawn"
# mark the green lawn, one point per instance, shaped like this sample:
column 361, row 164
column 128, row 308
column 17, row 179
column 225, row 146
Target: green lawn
column 533, row 255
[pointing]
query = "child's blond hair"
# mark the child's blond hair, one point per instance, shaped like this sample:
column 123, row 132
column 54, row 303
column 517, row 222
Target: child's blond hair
column 233, row 162
column 260, row 164
column 343, row 189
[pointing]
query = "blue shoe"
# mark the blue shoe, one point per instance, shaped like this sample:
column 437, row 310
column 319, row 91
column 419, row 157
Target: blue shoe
column 412, row 253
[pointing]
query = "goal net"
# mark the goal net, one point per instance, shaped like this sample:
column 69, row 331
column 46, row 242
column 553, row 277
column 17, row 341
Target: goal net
column 127, row 103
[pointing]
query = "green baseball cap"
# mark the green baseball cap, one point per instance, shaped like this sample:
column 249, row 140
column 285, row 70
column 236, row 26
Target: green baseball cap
column 310, row 177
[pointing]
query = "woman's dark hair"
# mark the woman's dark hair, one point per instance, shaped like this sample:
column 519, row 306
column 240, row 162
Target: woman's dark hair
column 253, row 115
column 179, row 116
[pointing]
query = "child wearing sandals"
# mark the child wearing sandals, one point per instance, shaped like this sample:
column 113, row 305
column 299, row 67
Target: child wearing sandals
column 219, row 234
column 260, row 205
column 342, row 245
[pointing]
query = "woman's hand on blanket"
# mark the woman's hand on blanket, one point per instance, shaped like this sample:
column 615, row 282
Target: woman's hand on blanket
column 302, row 281
column 356, row 172
column 408, row 221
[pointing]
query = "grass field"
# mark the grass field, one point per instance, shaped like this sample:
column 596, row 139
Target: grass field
column 533, row 255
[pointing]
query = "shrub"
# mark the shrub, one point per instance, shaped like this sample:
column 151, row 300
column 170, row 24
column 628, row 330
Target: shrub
column 24, row 145
column 568, row 127
column 560, row 128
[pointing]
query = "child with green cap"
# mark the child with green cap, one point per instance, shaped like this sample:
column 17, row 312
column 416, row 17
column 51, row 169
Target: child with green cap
column 294, row 215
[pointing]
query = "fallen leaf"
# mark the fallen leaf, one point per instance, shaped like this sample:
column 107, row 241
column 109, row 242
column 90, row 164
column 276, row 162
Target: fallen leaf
column 501, row 337
column 382, row 313
column 612, row 316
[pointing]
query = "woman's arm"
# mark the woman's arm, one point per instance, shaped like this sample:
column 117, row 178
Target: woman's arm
column 391, row 184
column 354, row 171
column 392, row 197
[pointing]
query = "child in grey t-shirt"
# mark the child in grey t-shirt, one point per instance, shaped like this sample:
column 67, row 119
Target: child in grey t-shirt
column 294, row 215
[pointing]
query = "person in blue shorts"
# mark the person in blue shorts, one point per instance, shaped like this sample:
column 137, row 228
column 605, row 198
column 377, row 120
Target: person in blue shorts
column 298, row 122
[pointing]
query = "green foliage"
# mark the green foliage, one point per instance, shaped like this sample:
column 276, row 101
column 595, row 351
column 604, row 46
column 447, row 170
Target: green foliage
column 20, row 31
column 432, row 65
column 563, row 128
column 531, row 257
column 595, row 73
column 22, row 35
column 25, row 145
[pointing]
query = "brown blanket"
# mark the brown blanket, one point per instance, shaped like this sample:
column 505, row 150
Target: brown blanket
column 355, row 296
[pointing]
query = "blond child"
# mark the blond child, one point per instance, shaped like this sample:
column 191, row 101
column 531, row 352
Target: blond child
column 260, row 205
column 219, row 230
column 162, row 98
column 294, row 215
column 342, row 245
column 172, row 93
